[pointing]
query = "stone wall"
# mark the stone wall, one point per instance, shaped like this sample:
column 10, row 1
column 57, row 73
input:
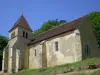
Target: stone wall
column 35, row 61
column 88, row 38
column 69, row 50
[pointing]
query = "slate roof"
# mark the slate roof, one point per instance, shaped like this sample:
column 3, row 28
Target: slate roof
column 21, row 22
column 56, row 31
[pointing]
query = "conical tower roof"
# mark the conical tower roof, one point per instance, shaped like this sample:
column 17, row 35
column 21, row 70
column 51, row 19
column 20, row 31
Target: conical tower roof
column 21, row 22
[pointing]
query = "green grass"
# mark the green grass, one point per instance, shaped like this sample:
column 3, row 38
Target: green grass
column 60, row 68
column 95, row 73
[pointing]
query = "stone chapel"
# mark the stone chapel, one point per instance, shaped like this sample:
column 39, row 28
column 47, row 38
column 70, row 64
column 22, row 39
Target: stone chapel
column 67, row 43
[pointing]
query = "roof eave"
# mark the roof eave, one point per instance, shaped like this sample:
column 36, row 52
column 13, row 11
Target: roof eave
column 19, row 26
column 50, row 37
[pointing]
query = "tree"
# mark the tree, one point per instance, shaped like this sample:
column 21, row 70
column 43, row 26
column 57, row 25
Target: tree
column 49, row 25
column 95, row 18
column 3, row 43
column 36, row 32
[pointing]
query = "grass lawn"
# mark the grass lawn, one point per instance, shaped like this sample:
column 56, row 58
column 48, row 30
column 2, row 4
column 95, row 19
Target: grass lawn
column 61, row 69
column 95, row 73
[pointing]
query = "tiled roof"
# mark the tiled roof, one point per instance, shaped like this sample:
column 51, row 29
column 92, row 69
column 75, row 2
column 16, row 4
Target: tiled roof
column 21, row 22
column 56, row 31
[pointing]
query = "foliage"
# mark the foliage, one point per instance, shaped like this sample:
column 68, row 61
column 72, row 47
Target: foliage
column 60, row 68
column 49, row 25
column 3, row 43
column 95, row 18
column 95, row 73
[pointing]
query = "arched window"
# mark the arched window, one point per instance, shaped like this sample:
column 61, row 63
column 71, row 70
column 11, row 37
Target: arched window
column 25, row 34
column 56, row 46
column 87, row 50
column 35, row 52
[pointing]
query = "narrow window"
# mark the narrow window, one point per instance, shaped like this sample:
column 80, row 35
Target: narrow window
column 87, row 50
column 23, row 34
column 35, row 52
column 26, row 35
column 56, row 45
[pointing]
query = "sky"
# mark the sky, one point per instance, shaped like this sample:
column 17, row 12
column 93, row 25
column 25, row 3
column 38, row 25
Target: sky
column 37, row 12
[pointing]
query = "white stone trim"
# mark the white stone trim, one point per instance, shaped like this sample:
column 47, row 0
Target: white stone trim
column 3, row 61
column 10, row 60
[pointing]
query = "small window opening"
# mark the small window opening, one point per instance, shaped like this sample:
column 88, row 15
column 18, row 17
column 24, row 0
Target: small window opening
column 87, row 50
column 56, row 45
column 35, row 52
column 26, row 35
column 23, row 34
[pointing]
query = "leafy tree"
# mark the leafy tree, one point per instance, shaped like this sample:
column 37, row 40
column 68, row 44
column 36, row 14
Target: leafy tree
column 3, row 43
column 36, row 32
column 49, row 25
column 95, row 18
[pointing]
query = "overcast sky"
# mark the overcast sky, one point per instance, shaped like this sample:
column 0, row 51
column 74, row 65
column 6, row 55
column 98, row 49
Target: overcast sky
column 38, row 11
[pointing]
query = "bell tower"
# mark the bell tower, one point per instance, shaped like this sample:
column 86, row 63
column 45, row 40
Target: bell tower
column 19, row 36
column 21, row 28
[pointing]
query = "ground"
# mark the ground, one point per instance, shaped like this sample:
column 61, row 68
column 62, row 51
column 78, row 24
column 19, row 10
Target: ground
column 3, row 73
column 84, row 67
column 88, row 72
